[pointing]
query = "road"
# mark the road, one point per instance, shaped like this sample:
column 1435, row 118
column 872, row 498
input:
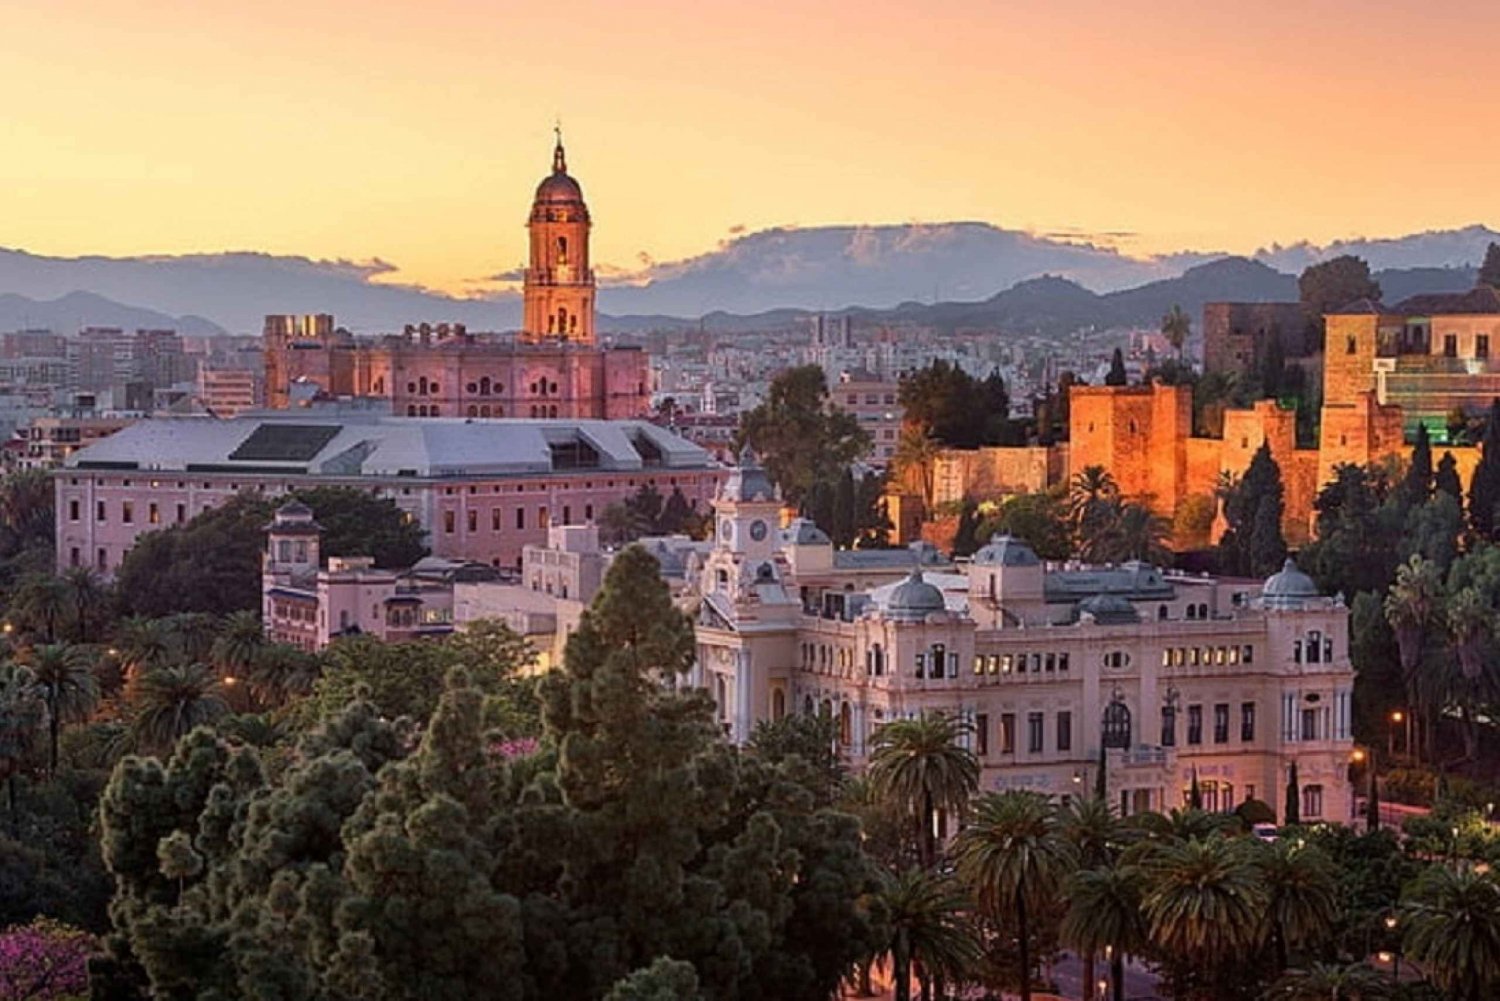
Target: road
column 1066, row 973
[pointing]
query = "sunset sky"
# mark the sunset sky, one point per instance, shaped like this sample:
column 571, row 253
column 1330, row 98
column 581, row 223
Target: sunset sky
column 415, row 131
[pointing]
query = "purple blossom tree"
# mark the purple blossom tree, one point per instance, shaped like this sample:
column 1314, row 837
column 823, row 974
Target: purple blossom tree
column 44, row 961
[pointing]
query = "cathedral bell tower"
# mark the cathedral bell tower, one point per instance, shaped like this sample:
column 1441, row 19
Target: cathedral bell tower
column 559, row 286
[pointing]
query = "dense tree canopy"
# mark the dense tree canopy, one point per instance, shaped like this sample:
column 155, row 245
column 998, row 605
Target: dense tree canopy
column 956, row 409
column 212, row 563
column 1334, row 284
column 1252, row 545
column 799, row 437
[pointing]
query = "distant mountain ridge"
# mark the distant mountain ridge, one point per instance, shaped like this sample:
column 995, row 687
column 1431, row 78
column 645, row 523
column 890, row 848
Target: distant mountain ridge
column 70, row 312
column 963, row 272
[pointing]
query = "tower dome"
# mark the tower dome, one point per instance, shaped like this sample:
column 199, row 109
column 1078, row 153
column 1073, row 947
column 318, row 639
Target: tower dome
column 1288, row 586
column 913, row 600
column 559, row 190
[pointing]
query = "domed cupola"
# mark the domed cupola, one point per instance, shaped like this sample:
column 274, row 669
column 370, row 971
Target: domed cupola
column 1289, row 587
column 748, row 481
column 1006, row 551
column 912, row 600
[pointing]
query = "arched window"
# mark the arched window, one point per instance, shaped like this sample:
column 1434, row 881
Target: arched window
column 778, row 704
column 846, row 725
column 484, row 386
column 807, row 706
column 562, row 250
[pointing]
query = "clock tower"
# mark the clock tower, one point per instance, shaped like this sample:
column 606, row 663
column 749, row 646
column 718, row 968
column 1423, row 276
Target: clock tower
column 747, row 516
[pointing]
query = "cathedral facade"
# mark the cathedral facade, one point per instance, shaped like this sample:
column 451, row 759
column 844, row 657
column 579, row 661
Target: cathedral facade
column 553, row 367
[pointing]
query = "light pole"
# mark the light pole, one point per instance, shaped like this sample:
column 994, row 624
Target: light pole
column 1390, row 926
column 1396, row 719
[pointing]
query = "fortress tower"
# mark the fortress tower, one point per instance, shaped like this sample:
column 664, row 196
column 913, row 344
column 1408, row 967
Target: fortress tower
column 559, row 285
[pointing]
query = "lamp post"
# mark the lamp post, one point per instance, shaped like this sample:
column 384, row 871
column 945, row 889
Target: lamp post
column 1390, row 926
column 1397, row 717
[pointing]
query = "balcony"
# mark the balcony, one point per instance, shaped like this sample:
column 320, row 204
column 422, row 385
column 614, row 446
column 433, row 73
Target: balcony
column 1144, row 757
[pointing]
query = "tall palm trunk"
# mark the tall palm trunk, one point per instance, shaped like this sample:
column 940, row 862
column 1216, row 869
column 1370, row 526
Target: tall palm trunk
column 1117, row 973
column 1088, row 976
column 929, row 840
column 53, row 727
column 1025, row 945
column 901, row 967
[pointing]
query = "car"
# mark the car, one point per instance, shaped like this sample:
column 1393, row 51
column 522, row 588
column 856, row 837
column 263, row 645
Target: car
column 1266, row 832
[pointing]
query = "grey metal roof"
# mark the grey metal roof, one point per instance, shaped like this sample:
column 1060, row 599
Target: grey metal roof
column 384, row 445
column 1134, row 580
column 917, row 554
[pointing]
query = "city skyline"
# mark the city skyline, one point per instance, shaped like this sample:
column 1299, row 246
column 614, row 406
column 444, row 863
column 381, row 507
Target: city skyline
column 830, row 114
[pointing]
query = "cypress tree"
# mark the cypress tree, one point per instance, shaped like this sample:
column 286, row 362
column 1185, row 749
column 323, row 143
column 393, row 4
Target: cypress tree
column 1195, row 793
column 1101, row 781
column 1416, row 487
column 1484, row 487
column 1293, row 813
column 1253, row 544
column 1267, row 545
column 1446, row 480
column 843, row 511
column 1489, row 271
column 1372, row 802
column 1116, row 376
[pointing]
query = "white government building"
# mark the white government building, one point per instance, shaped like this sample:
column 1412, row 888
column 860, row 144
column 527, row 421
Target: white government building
column 1172, row 674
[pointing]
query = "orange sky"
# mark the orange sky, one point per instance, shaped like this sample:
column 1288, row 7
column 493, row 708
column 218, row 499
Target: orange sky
column 415, row 131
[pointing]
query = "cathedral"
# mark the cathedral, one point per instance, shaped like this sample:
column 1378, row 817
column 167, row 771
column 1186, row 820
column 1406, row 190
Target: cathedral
column 553, row 367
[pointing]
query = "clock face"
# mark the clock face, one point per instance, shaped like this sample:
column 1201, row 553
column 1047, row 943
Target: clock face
column 758, row 530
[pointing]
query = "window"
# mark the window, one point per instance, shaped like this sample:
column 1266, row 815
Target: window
column 1297, row 651
column 103, row 561
column 938, row 658
column 1247, row 655
column 1314, row 647
column 127, row 512
column 1481, row 345
column 1310, row 724
column 74, row 557
column 921, row 664
column 520, row 517
column 1195, row 725
column 1351, row 346
column 181, row 513
column 1034, row 733
column 1328, row 649
column 1247, row 721
column 979, row 663
column 1450, row 345
column 1312, row 802
column 473, row 520
column 153, row 513
column 1221, row 723
column 1064, row 731
column 1169, row 726
column 99, row 511
column 449, row 522
column 1062, row 662
column 73, row 512
column 981, row 734
column 1007, row 733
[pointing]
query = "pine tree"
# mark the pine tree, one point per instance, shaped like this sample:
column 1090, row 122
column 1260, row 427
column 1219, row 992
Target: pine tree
column 1484, row 486
column 1267, row 545
column 1116, row 375
column 1446, row 480
column 1253, row 544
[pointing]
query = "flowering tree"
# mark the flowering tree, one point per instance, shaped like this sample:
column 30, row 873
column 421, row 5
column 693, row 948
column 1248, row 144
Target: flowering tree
column 44, row 960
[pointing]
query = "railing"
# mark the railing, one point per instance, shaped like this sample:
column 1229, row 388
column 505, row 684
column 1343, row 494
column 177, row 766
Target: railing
column 1144, row 757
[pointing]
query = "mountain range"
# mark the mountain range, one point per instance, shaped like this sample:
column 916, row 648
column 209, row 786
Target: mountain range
column 946, row 275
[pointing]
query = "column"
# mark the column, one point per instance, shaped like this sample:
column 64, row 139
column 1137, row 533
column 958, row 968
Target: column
column 742, row 692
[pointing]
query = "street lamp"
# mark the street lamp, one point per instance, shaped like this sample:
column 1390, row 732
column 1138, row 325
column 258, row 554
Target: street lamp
column 1390, row 926
column 1397, row 718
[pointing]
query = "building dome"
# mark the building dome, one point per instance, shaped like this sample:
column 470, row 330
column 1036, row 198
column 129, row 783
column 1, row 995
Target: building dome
column 913, row 600
column 1006, row 551
column 1108, row 609
column 558, row 189
column 804, row 532
column 747, row 481
column 294, row 509
column 1289, row 584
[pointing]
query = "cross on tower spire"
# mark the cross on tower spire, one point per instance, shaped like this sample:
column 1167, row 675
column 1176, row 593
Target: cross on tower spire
column 559, row 160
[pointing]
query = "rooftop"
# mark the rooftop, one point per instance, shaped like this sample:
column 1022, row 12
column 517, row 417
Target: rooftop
column 380, row 445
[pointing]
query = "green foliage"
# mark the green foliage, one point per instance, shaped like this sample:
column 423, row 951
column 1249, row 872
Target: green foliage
column 954, row 408
column 1452, row 920
column 1176, row 326
column 665, row 979
column 212, row 563
column 1252, row 545
column 921, row 766
column 1334, row 284
column 1039, row 519
column 927, row 925
column 646, row 513
column 1484, row 484
column 799, row 437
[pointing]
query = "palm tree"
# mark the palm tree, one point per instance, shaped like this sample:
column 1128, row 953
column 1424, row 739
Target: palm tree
column 1204, row 902
column 239, row 642
column 915, row 457
column 43, row 602
column 1091, row 827
column 1301, row 895
column 1104, row 914
column 87, row 592
column 1469, row 617
column 144, row 644
column 26, row 506
column 1116, row 531
column 1014, row 857
column 21, row 713
column 1176, row 326
column 195, row 633
column 926, row 918
column 1412, row 608
column 920, row 765
column 64, row 676
column 1090, row 487
column 1452, row 918
column 278, row 673
column 170, row 701
column 1331, row 982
